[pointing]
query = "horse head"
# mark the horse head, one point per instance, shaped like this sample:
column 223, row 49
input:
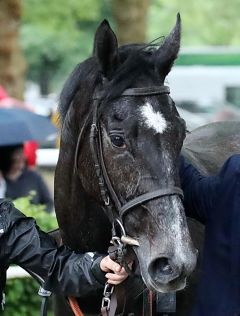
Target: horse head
column 127, row 136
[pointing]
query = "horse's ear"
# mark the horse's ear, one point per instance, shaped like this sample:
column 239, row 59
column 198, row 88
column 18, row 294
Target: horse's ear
column 168, row 51
column 106, row 49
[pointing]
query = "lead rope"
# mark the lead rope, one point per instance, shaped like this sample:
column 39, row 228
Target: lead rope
column 74, row 306
column 117, row 252
column 109, row 301
column 148, row 304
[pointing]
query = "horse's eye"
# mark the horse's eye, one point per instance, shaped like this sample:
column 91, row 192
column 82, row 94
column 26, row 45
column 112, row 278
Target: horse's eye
column 118, row 141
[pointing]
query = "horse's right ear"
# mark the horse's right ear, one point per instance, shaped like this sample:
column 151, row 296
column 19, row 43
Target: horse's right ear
column 168, row 51
column 106, row 49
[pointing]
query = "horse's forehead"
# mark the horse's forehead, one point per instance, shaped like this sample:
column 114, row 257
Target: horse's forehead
column 153, row 119
column 129, row 105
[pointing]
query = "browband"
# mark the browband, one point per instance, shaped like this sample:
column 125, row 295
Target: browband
column 137, row 92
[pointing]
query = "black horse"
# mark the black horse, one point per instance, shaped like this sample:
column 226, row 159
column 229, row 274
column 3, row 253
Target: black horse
column 119, row 93
column 117, row 115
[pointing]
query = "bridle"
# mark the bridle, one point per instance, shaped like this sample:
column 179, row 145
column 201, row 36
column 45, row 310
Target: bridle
column 112, row 205
column 113, row 208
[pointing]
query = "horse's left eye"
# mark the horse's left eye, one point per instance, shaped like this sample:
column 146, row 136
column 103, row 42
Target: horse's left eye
column 118, row 141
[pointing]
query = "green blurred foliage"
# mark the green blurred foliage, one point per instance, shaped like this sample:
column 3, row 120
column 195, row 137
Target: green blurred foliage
column 22, row 297
column 56, row 35
column 44, row 220
column 214, row 22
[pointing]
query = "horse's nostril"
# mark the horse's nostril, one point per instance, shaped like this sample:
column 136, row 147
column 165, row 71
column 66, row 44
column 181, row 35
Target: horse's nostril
column 162, row 266
column 163, row 270
column 166, row 268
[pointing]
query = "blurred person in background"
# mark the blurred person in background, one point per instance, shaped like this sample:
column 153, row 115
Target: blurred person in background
column 3, row 93
column 20, row 180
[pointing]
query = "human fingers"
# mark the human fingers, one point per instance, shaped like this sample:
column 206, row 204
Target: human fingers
column 107, row 264
column 116, row 278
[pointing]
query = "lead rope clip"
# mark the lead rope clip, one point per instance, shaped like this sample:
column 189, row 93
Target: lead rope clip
column 107, row 293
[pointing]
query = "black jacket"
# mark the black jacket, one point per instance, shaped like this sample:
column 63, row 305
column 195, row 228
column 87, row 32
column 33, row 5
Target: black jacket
column 58, row 269
column 215, row 201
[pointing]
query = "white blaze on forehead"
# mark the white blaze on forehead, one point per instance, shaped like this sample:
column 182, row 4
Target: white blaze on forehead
column 153, row 119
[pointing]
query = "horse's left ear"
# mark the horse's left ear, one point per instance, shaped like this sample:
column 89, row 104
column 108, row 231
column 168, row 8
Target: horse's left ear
column 106, row 49
column 168, row 51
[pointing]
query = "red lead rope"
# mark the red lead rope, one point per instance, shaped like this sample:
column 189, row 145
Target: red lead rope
column 74, row 306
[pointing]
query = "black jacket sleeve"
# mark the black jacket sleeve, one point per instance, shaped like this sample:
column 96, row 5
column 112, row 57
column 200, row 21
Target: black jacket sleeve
column 57, row 268
column 202, row 194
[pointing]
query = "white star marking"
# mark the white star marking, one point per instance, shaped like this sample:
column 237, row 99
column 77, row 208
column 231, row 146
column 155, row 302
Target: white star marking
column 152, row 119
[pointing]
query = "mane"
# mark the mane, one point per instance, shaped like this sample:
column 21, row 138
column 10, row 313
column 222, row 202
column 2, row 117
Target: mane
column 135, row 60
column 84, row 75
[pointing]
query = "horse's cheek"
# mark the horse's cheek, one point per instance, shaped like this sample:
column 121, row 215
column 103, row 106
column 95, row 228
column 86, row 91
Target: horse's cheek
column 124, row 175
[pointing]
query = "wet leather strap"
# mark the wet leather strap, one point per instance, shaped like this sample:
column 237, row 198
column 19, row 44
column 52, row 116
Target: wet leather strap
column 149, row 196
column 134, row 92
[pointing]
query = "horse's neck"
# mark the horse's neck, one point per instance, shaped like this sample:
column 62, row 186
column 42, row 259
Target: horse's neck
column 90, row 219
column 208, row 147
column 83, row 224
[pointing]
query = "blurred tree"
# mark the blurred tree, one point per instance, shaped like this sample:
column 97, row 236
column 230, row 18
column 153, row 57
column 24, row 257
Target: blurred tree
column 55, row 36
column 131, row 20
column 12, row 64
column 214, row 22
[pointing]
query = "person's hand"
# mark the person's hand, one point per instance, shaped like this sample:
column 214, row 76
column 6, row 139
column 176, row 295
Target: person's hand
column 115, row 273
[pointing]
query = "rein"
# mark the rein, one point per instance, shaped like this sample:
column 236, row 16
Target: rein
column 114, row 210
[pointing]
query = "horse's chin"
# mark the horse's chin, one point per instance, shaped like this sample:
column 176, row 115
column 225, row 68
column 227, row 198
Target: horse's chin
column 173, row 286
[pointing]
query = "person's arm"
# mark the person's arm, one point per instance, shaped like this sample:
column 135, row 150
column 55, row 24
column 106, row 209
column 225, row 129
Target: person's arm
column 58, row 269
column 199, row 191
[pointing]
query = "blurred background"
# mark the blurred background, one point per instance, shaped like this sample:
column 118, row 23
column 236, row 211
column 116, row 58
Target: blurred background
column 42, row 41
